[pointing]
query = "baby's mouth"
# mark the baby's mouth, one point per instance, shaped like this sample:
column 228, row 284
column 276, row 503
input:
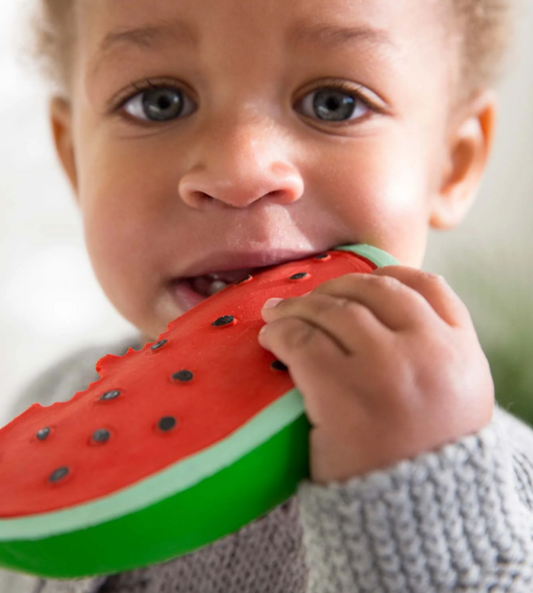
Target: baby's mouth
column 190, row 292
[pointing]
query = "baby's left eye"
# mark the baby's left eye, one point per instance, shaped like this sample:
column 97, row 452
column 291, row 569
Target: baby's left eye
column 335, row 105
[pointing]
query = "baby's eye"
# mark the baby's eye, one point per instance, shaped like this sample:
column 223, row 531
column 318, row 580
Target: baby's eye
column 157, row 104
column 335, row 105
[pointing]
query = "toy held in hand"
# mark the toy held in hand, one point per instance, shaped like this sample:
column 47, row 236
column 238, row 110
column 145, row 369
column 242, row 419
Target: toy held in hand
column 175, row 446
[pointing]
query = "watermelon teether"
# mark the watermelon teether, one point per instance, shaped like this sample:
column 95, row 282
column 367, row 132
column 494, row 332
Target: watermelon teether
column 175, row 446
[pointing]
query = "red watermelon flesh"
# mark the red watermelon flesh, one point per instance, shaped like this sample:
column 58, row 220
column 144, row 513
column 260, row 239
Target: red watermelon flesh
column 161, row 404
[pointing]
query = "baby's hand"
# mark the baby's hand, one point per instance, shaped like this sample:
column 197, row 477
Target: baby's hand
column 389, row 366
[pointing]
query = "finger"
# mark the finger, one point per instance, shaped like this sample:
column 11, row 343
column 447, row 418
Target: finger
column 439, row 294
column 313, row 359
column 348, row 323
column 394, row 304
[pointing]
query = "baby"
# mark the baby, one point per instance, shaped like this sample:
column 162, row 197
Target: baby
column 294, row 127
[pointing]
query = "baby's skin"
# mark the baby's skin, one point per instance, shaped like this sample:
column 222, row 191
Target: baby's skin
column 202, row 134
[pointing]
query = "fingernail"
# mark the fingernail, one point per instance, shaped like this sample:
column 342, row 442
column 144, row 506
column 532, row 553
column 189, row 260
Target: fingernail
column 271, row 303
column 307, row 293
column 263, row 329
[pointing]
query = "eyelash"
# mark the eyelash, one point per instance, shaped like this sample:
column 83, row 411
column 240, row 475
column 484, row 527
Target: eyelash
column 117, row 103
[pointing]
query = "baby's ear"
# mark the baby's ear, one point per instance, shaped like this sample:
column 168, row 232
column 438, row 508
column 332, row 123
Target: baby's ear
column 469, row 142
column 61, row 123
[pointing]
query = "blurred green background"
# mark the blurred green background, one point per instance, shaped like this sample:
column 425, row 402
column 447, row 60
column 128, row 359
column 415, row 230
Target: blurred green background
column 498, row 292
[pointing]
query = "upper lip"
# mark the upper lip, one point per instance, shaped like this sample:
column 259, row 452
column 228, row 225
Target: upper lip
column 232, row 261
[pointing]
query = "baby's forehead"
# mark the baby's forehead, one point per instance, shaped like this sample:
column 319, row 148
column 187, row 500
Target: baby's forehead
column 377, row 21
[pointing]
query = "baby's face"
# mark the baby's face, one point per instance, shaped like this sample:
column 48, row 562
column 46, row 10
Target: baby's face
column 250, row 153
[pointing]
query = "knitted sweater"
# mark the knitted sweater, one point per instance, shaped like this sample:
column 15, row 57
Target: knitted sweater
column 457, row 519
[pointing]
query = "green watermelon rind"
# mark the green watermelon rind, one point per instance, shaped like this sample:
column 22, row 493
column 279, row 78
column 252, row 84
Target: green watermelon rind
column 377, row 256
column 114, row 531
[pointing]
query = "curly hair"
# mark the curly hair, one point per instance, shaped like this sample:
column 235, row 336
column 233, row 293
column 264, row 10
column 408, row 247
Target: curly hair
column 482, row 30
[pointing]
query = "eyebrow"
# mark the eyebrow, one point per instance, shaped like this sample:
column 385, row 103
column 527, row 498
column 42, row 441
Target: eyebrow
column 151, row 35
column 148, row 36
column 154, row 35
column 335, row 36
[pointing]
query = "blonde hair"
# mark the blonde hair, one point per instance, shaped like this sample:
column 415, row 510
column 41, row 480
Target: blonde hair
column 482, row 29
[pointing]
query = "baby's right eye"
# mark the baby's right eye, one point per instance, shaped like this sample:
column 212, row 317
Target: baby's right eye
column 157, row 103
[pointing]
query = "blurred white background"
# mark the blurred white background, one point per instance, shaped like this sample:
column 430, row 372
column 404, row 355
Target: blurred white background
column 50, row 302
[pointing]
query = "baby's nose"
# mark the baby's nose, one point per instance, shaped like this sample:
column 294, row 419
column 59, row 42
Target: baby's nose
column 239, row 170
column 241, row 190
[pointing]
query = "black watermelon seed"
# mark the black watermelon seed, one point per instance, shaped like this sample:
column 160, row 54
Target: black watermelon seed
column 110, row 395
column 323, row 256
column 224, row 320
column 101, row 435
column 183, row 375
column 59, row 474
column 249, row 277
column 167, row 423
column 277, row 365
column 159, row 344
column 298, row 276
column 43, row 433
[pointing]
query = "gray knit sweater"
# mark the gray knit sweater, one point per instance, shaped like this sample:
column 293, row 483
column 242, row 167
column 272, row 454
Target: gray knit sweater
column 458, row 519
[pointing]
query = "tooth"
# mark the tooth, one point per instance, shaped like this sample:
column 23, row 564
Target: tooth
column 216, row 286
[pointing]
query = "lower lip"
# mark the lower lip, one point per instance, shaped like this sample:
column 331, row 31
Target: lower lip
column 186, row 296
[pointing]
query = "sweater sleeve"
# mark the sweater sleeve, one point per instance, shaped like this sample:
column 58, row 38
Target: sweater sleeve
column 458, row 519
